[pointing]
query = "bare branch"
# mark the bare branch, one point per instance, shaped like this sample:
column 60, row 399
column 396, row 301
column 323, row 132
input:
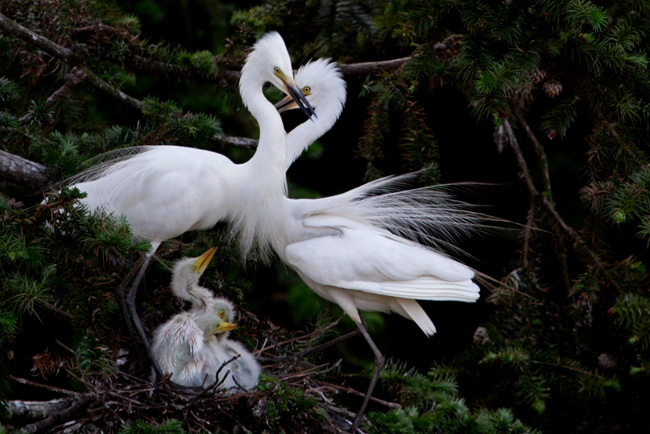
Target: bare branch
column 75, row 77
column 22, row 171
column 365, row 68
column 94, row 80
column 44, row 44
column 240, row 142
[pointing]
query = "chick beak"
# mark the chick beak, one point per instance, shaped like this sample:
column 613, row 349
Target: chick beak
column 224, row 327
column 203, row 260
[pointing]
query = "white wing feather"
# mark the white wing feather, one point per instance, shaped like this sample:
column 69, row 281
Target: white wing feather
column 374, row 261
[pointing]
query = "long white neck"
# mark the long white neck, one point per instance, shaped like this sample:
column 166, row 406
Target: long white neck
column 260, row 208
column 311, row 130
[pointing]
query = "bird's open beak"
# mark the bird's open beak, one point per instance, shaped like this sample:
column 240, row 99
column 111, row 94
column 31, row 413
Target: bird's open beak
column 296, row 95
column 224, row 327
column 203, row 260
column 287, row 103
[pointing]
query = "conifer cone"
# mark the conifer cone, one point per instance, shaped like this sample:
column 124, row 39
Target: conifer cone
column 552, row 87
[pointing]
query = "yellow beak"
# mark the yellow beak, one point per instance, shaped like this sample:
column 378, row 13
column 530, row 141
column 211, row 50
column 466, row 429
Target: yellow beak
column 224, row 327
column 295, row 94
column 203, row 260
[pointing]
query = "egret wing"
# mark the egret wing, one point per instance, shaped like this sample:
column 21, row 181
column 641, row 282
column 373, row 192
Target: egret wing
column 364, row 259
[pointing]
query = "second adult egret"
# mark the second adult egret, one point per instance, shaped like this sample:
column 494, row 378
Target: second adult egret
column 164, row 191
column 359, row 250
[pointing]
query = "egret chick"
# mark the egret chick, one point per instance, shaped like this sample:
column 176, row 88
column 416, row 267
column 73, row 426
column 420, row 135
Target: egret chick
column 229, row 363
column 180, row 345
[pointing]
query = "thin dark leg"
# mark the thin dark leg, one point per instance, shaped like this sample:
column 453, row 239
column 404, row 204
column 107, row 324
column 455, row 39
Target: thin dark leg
column 379, row 363
column 127, row 304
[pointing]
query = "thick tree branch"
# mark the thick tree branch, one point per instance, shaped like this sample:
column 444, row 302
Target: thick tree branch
column 21, row 171
column 239, row 142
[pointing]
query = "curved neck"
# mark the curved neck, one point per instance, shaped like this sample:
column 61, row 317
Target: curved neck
column 271, row 148
column 307, row 133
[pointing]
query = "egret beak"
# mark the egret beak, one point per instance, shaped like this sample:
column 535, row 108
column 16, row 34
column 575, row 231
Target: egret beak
column 294, row 92
column 287, row 103
column 203, row 260
column 224, row 327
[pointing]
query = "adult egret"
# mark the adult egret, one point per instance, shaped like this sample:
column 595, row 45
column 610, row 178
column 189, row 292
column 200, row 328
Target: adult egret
column 193, row 346
column 354, row 249
column 165, row 191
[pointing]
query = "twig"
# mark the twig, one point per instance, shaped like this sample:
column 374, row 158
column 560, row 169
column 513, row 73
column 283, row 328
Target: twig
column 366, row 68
column 352, row 391
column 541, row 154
column 545, row 200
column 45, row 386
column 75, row 77
column 56, row 50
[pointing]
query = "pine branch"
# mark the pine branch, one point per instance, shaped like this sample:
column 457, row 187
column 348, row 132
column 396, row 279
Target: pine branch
column 75, row 77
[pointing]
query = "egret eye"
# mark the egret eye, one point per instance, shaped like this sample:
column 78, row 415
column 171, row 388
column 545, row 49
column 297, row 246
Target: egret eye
column 276, row 70
column 222, row 314
column 306, row 90
column 195, row 267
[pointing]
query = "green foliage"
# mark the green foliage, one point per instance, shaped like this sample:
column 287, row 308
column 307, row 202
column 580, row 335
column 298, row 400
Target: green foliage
column 171, row 426
column 282, row 402
column 9, row 91
column 433, row 404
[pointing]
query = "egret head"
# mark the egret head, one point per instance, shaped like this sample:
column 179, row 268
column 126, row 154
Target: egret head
column 321, row 81
column 187, row 272
column 224, row 311
column 217, row 319
column 270, row 62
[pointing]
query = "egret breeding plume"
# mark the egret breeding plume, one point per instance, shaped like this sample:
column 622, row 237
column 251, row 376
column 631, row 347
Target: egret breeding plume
column 165, row 191
column 193, row 346
column 358, row 249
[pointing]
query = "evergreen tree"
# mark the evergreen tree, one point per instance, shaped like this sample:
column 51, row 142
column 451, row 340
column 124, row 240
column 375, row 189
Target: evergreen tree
column 548, row 97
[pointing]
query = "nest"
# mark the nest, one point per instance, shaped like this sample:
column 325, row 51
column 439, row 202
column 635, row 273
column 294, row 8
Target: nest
column 292, row 396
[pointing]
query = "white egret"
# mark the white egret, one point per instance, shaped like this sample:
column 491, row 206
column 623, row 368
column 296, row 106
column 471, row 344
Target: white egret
column 193, row 346
column 352, row 249
column 228, row 363
column 185, row 280
column 348, row 248
column 180, row 345
column 165, row 191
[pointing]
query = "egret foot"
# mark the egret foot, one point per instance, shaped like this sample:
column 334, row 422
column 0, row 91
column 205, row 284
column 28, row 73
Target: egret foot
column 127, row 304
column 379, row 363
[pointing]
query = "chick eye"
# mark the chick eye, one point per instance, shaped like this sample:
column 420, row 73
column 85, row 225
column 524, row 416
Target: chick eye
column 222, row 314
column 306, row 89
column 195, row 267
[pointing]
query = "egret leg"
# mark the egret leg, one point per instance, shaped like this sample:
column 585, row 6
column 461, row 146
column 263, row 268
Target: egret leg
column 127, row 303
column 379, row 363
